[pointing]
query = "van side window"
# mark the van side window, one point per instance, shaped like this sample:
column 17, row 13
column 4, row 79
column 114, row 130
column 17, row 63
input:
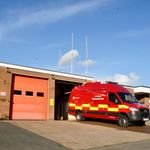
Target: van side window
column 113, row 98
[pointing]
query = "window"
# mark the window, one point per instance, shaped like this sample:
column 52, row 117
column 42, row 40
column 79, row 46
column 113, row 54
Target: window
column 17, row 92
column 127, row 97
column 113, row 98
column 40, row 94
column 29, row 93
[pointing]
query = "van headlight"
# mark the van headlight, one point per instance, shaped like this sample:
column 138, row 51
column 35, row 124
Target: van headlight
column 134, row 109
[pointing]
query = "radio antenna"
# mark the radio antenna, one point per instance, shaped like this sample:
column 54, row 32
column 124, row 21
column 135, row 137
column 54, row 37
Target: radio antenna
column 71, row 67
column 86, row 59
column 60, row 54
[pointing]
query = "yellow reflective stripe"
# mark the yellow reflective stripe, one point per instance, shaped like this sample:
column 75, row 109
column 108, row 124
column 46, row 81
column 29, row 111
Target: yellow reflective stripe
column 113, row 109
column 78, row 107
column 123, row 106
column 85, row 105
column 93, row 108
column 103, row 106
column 99, row 106
column 72, row 105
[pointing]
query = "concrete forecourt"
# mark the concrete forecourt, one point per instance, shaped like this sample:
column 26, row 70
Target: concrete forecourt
column 63, row 135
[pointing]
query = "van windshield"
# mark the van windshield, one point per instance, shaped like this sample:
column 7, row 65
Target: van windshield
column 128, row 97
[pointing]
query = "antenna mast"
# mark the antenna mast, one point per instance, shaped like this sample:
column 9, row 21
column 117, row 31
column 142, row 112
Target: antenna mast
column 71, row 54
column 86, row 60
column 60, row 54
column 72, row 41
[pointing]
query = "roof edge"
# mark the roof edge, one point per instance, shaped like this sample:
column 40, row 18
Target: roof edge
column 46, row 71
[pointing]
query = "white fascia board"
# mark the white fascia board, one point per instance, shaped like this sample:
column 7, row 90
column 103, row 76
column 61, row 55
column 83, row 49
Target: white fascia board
column 141, row 90
column 45, row 71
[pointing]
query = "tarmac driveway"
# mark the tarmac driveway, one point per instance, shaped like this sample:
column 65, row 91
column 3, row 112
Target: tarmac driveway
column 44, row 135
column 16, row 138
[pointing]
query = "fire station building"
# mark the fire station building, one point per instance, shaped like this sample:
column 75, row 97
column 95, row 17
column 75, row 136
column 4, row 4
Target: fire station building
column 38, row 94
column 35, row 94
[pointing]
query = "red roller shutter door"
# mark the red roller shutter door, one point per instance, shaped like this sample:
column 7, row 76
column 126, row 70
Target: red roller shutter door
column 29, row 98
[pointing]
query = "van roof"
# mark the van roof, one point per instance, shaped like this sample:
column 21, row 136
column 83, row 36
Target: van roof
column 97, row 86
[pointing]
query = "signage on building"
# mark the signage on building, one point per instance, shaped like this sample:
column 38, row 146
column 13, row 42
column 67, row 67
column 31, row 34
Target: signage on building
column 2, row 93
column 51, row 102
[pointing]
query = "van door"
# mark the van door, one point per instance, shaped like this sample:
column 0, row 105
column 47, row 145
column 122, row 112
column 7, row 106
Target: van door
column 113, row 109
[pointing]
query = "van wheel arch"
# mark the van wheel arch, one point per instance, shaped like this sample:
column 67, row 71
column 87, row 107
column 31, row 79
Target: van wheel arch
column 123, row 120
column 79, row 116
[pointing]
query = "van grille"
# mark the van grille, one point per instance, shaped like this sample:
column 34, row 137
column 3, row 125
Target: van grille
column 144, row 113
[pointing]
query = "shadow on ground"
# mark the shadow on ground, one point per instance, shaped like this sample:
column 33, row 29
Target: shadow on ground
column 15, row 138
column 111, row 124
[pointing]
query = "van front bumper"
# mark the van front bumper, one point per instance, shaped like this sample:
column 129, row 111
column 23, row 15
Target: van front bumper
column 139, row 115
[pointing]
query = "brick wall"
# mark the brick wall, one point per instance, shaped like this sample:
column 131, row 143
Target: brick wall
column 5, row 90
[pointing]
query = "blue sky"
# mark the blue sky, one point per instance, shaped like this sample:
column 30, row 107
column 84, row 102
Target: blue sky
column 32, row 32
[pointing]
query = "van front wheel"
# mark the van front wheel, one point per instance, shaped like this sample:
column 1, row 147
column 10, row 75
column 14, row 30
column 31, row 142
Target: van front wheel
column 141, row 123
column 123, row 121
column 79, row 116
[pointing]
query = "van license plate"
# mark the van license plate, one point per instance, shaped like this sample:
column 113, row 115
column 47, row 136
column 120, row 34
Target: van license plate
column 146, row 119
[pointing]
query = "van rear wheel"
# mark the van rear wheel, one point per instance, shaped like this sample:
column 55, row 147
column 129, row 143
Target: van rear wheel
column 123, row 121
column 79, row 116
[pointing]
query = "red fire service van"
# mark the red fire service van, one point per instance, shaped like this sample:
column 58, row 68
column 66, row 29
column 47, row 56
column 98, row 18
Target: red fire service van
column 107, row 101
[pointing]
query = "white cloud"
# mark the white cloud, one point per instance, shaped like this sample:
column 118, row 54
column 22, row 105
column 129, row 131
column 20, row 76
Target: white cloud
column 88, row 62
column 47, row 15
column 66, row 58
column 123, row 79
column 27, row 17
